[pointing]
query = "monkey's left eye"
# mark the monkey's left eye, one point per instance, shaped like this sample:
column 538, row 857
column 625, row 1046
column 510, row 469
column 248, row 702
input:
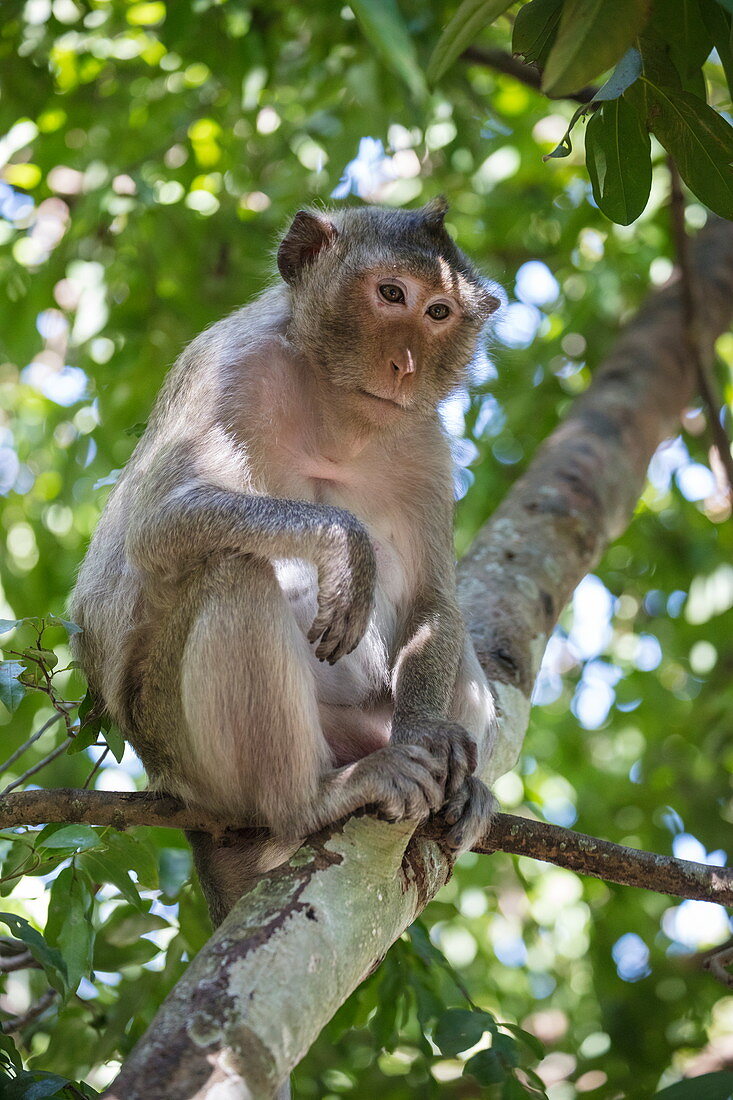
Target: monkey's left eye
column 391, row 292
column 438, row 311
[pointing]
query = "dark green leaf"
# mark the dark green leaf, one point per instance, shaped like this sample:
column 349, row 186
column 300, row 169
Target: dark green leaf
column 459, row 1029
column 9, row 1055
column 174, row 869
column 35, row 1086
column 708, row 1086
column 85, row 737
column 69, row 925
column 49, row 958
column 529, row 1040
column 115, row 741
column 135, row 854
column 718, row 23
column 618, row 156
column 104, row 867
column 486, row 1067
column 701, row 143
column 11, row 690
column 534, row 29
column 110, row 957
column 382, row 23
column 592, row 36
column 126, row 925
column 462, row 30
column 69, row 836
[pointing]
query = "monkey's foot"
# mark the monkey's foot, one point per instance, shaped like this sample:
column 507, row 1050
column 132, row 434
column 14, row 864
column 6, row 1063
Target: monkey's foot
column 449, row 743
column 404, row 781
column 468, row 813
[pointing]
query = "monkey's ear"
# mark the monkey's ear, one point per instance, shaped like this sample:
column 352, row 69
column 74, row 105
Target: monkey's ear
column 433, row 213
column 492, row 297
column 309, row 235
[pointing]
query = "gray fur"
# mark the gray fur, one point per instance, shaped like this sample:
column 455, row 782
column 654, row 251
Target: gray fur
column 268, row 603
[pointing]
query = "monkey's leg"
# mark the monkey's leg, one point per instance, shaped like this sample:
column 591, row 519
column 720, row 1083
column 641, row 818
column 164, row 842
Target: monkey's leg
column 470, row 810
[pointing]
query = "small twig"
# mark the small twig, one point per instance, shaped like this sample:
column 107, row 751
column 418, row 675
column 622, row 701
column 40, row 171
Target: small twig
column 702, row 365
column 586, row 855
column 17, row 1023
column 506, row 63
column 27, row 744
column 37, row 767
column 96, row 768
column 18, row 962
column 717, row 964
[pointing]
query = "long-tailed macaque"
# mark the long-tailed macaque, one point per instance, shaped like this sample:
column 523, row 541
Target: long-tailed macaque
column 268, row 604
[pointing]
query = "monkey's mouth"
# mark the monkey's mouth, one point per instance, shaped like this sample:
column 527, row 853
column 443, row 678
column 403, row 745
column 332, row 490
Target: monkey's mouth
column 384, row 400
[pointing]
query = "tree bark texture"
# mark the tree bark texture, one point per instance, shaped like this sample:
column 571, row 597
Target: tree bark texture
column 298, row 943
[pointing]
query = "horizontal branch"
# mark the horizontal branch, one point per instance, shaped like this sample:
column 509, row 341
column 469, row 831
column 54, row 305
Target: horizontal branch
column 520, row 836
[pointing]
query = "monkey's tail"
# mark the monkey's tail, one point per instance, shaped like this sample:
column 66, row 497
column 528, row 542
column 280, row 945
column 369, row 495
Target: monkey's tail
column 227, row 865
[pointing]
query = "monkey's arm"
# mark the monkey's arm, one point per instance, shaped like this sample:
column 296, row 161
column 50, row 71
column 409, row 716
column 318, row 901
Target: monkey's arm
column 175, row 527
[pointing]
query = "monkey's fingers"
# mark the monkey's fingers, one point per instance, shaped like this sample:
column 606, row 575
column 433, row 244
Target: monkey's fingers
column 406, row 783
column 469, row 813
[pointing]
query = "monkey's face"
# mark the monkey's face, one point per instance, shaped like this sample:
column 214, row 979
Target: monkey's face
column 385, row 307
column 395, row 343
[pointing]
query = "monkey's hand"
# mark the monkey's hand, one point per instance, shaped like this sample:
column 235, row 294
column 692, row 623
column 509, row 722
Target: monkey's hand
column 448, row 742
column 401, row 781
column 347, row 572
column 468, row 814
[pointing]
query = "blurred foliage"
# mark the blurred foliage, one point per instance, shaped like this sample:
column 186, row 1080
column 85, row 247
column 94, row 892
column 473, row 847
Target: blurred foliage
column 151, row 154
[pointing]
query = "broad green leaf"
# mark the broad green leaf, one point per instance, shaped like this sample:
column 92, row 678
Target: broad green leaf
column 69, row 925
column 534, row 29
column 531, row 1041
column 126, row 925
column 104, row 867
column 9, row 624
column 718, row 23
column 680, row 24
column 11, row 690
column 461, row 31
column 460, row 1028
column 174, row 869
column 115, row 741
column 486, row 1067
column 135, row 854
column 111, row 957
column 382, row 23
column 618, row 156
column 592, row 36
column 9, row 1055
column 708, row 1086
column 69, row 836
column 49, row 958
column 35, row 1085
column 69, row 627
column 701, row 143
column 85, row 737
column 623, row 76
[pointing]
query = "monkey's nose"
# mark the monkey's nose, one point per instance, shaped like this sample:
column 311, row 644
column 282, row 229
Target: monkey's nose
column 403, row 363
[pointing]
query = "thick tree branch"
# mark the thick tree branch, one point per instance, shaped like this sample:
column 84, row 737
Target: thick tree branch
column 306, row 935
column 518, row 835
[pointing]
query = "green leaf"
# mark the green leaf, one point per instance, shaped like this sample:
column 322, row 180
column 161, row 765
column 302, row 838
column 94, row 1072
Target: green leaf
column 700, row 141
column 618, row 156
column 110, row 957
column 85, row 737
column 69, row 627
column 534, row 29
column 11, row 690
column 718, row 23
column 462, row 30
column 10, row 624
column 35, row 1085
column 592, row 36
column 526, row 1037
column 126, row 925
column 486, row 1067
column 382, row 23
column 69, row 925
column 135, row 854
column 174, row 870
column 79, row 837
column 623, row 76
column 49, row 958
column 103, row 867
column 9, row 1054
column 708, row 1086
column 115, row 741
column 460, row 1028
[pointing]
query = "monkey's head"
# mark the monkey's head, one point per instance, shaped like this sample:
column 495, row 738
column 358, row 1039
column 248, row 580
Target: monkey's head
column 385, row 307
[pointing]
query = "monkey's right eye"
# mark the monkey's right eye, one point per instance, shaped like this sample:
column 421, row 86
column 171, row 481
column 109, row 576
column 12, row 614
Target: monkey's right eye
column 391, row 292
